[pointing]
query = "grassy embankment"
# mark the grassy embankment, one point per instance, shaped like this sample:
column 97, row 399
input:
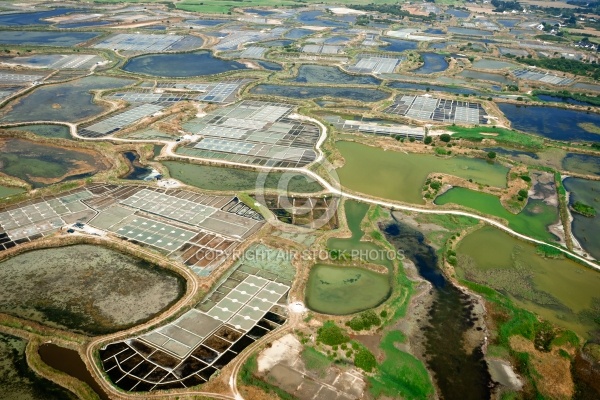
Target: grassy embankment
column 565, row 94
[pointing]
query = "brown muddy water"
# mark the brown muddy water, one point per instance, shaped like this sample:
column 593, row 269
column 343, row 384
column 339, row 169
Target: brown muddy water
column 69, row 362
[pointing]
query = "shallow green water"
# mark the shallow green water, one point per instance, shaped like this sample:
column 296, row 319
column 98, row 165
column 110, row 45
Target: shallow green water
column 18, row 381
column 6, row 191
column 48, row 131
column 339, row 290
column 70, row 102
column 532, row 221
column 586, row 230
column 559, row 290
column 34, row 162
column 368, row 251
column 223, row 178
column 399, row 176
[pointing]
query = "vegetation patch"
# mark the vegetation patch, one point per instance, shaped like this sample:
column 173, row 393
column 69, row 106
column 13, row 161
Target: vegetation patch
column 584, row 209
column 331, row 334
column 247, row 376
column 315, row 361
column 364, row 321
column 589, row 127
column 400, row 374
column 566, row 95
column 548, row 251
column 364, row 359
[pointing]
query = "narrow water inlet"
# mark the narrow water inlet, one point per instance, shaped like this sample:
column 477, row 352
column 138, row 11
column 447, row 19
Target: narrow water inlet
column 457, row 373
column 69, row 362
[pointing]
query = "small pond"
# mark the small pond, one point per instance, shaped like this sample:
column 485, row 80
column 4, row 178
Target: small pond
column 199, row 63
column 270, row 65
column 138, row 172
column 47, row 131
column 559, row 290
column 307, row 92
column 45, row 38
column 18, row 381
column 493, row 64
column 432, row 62
column 398, row 45
column 43, row 164
column 424, row 86
column 298, row 33
column 582, row 164
column 342, row 290
column 69, row 362
column 485, row 76
column 553, row 122
column 374, row 171
column 331, row 75
column 7, row 191
column 65, row 102
column 32, row 18
column 468, row 31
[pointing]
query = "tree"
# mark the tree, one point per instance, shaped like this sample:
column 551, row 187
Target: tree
column 365, row 360
column 331, row 334
column 428, row 140
column 491, row 155
column 444, row 137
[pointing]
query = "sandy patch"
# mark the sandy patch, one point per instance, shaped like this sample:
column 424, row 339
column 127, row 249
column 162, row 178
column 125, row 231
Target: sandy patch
column 503, row 373
column 281, row 349
column 314, row 28
column 345, row 11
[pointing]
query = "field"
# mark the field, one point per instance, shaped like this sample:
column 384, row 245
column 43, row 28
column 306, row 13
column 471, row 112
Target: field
column 501, row 135
column 232, row 179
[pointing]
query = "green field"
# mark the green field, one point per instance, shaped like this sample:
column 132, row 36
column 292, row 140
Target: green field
column 532, row 221
column 500, row 135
